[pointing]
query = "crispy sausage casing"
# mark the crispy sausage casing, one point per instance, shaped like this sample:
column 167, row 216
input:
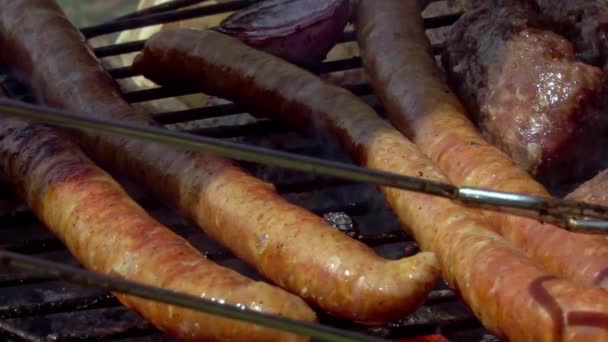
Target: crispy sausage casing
column 289, row 245
column 109, row 233
column 505, row 289
column 422, row 106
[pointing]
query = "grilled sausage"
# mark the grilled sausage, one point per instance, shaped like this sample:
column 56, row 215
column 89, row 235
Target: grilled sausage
column 422, row 106
column 506, row 290
column 289, row 245
column 300, row 32
column 93, row 215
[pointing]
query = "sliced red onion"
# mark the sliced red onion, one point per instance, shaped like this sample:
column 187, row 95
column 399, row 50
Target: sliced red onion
column 299, row 31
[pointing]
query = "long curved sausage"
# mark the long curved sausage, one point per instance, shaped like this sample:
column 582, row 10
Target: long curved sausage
column 109, row 233
column 422, row 106
column 294, row 248
column 509, row 293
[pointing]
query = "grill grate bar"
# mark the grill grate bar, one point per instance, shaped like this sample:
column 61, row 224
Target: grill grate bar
column 441, row 20
column 37, row 246
column 157, row 93
column 168, row 6
column 165, row 17
column 21, row 279
column 352, row 209
column 137, row 45
column 164, row 92
column 105, row 335
column 119, row 49
column 20, row 333
column 21, row 217
column 441, row 296
column 324, row 68
column 46, row 308
column 385, row 238
column 257, row 128
column 55, row 245
column 172, row 16
column 164, row 7
column 123, row 72
column 316, row 183
column 208, row 112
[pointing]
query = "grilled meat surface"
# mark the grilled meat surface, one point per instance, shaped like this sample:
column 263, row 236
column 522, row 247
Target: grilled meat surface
column 584, row 23
column 527, row 92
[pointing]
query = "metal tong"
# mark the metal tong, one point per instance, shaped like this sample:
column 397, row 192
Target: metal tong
column 570, row 215
column 72, row 274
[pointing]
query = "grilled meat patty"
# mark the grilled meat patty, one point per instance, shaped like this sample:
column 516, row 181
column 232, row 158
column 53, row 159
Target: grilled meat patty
column 584, row 23
column 526, row 91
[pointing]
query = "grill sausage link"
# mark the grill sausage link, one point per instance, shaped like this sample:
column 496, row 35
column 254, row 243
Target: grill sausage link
column 292, row 247
column 92, row 215
column 421, row 105
column 509, row 293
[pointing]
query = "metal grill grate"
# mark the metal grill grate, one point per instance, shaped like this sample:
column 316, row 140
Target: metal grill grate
column 36, row 309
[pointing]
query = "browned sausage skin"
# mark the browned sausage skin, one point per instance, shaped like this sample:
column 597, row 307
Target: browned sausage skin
column 509, row 293
column 92, row 215
column 422, row 106
column 292, row 247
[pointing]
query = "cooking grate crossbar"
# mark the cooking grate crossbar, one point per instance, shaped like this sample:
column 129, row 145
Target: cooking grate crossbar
column 165, row 7
column 324, row 68
column 164, row 17
column 442, row 312
column 348, row 36
column 172, row 16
